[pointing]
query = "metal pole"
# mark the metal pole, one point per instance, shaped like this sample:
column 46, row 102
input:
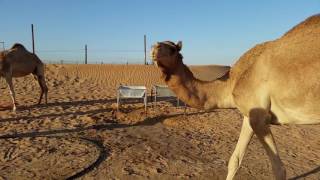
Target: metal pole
column 145, row 49
column 86, row 55
column 118, row 99
column 145, row 101
column 33, row 50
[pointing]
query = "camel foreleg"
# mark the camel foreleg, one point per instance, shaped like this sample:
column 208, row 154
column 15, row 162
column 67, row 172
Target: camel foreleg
column 241, row 147
column 12, row 93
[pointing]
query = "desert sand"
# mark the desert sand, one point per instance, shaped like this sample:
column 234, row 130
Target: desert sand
column 79, row 134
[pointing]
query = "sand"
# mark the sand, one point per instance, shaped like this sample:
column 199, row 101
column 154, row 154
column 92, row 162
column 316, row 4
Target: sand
column 80, row 135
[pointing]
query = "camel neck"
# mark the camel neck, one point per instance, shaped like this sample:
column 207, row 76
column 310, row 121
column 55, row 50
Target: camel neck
column 197, row 93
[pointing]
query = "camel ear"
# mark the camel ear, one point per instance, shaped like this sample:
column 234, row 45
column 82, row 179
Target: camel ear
column 179, row 45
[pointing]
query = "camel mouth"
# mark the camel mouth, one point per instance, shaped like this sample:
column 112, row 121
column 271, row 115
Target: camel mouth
column 154, row 58
column 152, row 55
column 156, row 63
column 157, row 57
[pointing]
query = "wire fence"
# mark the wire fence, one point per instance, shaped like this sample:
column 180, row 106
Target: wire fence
column 2, row 46
column 94, row 56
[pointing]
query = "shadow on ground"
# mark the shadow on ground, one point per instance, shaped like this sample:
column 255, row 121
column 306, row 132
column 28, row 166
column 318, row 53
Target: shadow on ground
column 104, row 151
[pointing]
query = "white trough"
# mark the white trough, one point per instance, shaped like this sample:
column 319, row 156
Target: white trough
column 129, row 92
column 163, row 91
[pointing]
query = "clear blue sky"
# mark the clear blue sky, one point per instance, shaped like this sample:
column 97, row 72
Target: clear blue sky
column 213, row 32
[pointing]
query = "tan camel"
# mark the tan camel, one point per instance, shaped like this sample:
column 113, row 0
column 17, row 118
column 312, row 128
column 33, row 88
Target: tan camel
column 277, row 82
column 18, row 62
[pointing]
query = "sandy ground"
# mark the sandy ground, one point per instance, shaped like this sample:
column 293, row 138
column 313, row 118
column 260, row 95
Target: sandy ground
column 80, row 135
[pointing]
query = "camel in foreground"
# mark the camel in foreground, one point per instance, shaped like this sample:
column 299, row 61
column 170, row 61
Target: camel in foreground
column 276, row 82
column 18, row 62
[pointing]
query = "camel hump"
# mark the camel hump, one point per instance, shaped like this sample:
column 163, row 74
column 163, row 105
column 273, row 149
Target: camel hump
column 311, row 23
column 18, row 46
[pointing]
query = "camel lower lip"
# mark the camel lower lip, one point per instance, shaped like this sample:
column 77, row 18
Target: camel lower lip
column 156, row 63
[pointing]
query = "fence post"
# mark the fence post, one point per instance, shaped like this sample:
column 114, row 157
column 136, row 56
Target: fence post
column 33, row 50
column 86, row 55
column 3, row 45
column 145, row 50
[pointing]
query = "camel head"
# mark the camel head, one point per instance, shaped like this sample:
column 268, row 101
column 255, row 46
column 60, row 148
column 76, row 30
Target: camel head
column 166, row 55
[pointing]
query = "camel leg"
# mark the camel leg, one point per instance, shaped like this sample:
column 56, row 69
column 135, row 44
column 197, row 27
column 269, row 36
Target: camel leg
column 12, row 93
column 259, row 121
column 241, row 147
column 44, row 88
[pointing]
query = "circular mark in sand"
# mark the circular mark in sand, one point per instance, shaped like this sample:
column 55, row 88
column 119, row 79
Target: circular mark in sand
column 47, row 157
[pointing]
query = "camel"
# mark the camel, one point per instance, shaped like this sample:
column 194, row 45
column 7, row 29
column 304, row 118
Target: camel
column 18, row 62
column 274, row 83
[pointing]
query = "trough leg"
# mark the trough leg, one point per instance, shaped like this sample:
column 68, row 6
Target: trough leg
column 118, row 100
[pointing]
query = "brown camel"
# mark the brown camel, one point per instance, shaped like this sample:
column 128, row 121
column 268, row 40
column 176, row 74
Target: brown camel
column 18, row 62
column 276, row 82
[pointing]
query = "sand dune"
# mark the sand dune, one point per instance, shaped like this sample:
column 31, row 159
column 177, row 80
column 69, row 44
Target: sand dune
column 79, row 134
column 113, row 75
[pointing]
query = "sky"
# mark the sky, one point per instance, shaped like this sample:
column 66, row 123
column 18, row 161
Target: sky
column 212, row 31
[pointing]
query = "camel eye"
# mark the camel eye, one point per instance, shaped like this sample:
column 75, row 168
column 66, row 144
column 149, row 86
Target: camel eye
column 172, row 50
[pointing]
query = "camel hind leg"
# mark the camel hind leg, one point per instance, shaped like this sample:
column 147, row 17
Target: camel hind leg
column 44, row 88
column 260, row 122
column 39, row 73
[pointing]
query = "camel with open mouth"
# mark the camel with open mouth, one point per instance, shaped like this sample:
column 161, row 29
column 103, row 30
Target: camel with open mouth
column 276, row 82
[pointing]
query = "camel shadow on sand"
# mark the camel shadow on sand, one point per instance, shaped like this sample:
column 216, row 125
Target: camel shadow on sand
column 109, row 124
column 51, row 115
column 73, row 103
column 69, row 103
column 66, row 105
column 103, row 150
column 63, row 104
column 305, row 175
